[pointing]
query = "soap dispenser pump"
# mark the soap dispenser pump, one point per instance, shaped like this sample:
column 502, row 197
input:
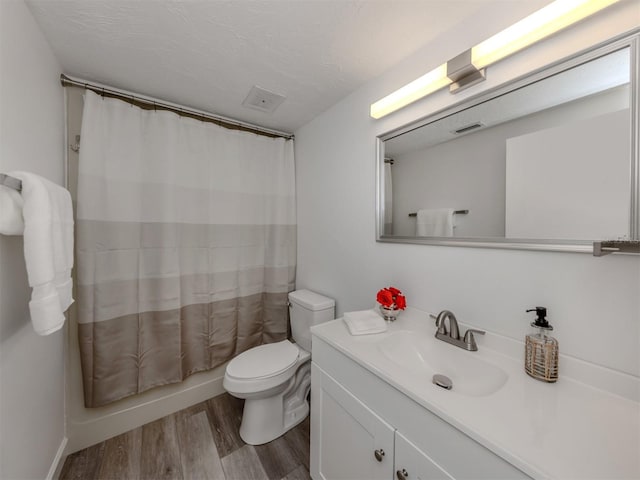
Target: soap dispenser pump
column 541, row 349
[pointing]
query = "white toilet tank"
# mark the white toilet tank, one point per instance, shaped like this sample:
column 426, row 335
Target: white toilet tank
column 306, row 309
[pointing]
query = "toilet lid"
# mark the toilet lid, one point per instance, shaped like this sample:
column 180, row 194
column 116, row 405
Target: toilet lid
column 264, row 361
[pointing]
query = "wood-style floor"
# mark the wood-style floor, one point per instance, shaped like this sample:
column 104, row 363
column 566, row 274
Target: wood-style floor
column 200, row 442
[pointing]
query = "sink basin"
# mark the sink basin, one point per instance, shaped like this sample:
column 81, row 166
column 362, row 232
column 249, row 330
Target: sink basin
column 425, row 356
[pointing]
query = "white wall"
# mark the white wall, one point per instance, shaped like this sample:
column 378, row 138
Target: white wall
column 464, row 174
column 556, row 186
column 594, row 303
column 468, row 172
column 31, row 138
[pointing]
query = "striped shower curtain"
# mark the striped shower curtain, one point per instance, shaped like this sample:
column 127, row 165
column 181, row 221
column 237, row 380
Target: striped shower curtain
column 186, row 242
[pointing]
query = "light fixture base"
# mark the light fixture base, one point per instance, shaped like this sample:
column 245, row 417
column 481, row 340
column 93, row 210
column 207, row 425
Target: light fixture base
column 463, row 73
column 468, row 81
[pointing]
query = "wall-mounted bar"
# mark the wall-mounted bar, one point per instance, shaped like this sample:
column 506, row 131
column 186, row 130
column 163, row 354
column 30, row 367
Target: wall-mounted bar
column 615, row 246
column 11, row 182
column 457, row 212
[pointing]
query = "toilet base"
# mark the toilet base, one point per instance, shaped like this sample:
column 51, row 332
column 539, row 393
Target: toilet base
column 265, row 419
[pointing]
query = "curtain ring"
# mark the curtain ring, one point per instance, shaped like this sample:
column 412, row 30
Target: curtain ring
column 132, row 100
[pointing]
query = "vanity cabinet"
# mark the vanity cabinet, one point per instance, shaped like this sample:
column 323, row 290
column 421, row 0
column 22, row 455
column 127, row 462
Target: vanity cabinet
column 363, row 428
column 352, row 442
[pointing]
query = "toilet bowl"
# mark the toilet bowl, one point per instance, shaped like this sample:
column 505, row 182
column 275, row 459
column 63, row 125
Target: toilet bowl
column 275, row 379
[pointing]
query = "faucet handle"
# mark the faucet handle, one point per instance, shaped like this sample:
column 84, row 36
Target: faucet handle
column 442, row 328
column 470, row 341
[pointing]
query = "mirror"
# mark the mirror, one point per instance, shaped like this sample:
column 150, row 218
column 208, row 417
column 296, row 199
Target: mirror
column 545, row 162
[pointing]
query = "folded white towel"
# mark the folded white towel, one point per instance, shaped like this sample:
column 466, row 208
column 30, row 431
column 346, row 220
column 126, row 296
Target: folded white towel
column 11, row 204
column 436, row 222
column 364, row 322
column 48, row 250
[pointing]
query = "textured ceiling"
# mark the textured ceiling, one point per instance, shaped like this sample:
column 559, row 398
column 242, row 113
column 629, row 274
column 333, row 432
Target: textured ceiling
column 208, row 54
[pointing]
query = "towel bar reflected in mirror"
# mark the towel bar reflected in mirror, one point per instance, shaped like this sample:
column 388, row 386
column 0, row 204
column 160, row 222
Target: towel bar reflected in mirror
column 457, row 212
column 11, row 182
column 615, row 246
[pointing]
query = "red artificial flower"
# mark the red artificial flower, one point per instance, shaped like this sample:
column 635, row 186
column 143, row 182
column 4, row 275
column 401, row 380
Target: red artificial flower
column 394, row 291
column 385, row 298
column 391, row 297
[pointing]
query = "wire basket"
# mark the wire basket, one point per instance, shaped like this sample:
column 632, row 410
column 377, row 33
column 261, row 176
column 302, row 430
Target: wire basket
column 541, row 357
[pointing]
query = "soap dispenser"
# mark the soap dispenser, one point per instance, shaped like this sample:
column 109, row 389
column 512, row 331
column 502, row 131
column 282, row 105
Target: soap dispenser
column 541, row 349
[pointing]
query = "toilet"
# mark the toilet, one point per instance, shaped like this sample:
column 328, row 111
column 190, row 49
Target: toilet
column 275, row 379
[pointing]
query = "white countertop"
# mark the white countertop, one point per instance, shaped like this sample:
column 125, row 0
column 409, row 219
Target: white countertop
column 560, row 430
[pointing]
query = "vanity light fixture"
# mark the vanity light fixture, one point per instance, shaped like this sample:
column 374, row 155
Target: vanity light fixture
column 467, row 69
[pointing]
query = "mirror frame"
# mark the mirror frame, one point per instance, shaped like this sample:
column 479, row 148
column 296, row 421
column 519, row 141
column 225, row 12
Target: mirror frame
column 628, row 39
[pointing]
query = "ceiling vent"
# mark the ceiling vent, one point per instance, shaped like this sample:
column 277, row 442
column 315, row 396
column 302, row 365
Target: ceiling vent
column 263, row 100
column 468, row 128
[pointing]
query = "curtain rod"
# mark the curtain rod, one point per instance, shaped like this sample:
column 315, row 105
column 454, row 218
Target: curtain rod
column 183, row 112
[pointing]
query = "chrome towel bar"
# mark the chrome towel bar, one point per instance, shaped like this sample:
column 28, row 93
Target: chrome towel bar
column 615, row 246
column 457, row 212
column 11, row 182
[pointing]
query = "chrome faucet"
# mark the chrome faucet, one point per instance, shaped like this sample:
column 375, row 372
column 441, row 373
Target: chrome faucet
column 453, row 335
column 453, row 324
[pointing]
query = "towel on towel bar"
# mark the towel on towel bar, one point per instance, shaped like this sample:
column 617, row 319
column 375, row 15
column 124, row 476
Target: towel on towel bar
column 436, row 222
column 364, row 322
column 48, row 250
column 11, row 204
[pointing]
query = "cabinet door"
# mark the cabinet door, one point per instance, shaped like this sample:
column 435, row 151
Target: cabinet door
column 413, row 464
column 348, row 441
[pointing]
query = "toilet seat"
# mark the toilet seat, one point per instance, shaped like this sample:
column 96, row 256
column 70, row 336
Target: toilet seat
column 264, row 361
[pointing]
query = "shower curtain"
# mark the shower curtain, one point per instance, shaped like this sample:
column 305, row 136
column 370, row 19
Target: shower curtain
column 186, row 243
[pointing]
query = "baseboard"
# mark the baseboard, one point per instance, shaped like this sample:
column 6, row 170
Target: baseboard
column 100, row 426
column 58, row 461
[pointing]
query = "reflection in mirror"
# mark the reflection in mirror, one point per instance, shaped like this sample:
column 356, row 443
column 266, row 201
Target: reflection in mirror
column 550, row 160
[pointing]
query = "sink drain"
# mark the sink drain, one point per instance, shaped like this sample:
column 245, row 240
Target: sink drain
column 443, row 381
